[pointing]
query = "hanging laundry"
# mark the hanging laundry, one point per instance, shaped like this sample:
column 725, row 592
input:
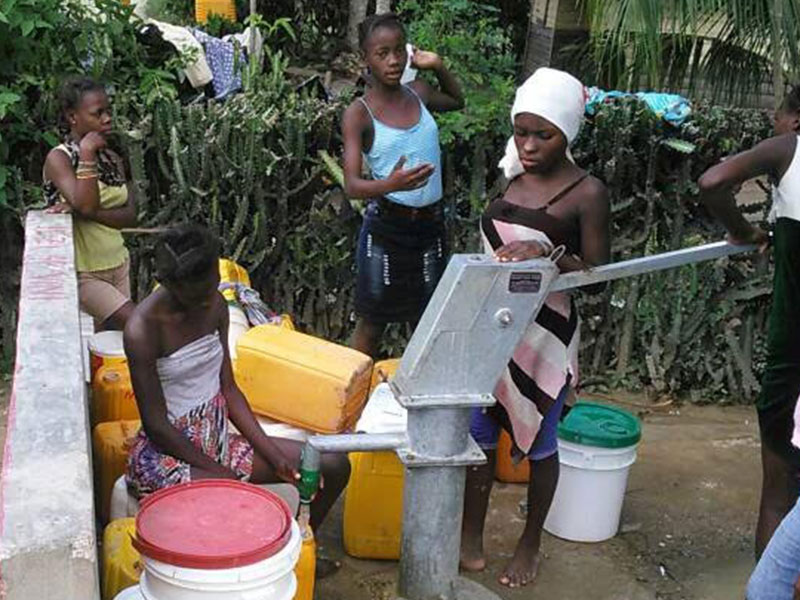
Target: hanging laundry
column 197, row 72
column 221, row 57
column 673, row 108
column 244, row 41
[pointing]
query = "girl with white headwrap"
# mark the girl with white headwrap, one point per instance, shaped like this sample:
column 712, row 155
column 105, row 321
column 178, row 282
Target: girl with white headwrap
column 549, row 203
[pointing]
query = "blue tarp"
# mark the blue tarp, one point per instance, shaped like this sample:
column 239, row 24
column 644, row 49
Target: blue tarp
column 673, row 108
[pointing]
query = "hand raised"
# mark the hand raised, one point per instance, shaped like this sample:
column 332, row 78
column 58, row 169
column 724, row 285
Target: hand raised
column 424, row 60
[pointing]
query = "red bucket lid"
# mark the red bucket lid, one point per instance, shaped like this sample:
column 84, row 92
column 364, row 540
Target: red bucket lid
column 212, row 524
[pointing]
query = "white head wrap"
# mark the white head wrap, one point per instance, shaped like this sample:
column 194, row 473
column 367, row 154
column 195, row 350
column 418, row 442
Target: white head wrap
column 554, row 95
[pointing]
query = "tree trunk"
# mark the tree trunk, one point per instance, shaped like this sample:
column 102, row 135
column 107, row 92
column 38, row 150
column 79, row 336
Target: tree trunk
column 777, row 54
column 357, row 13
column 541, row 32
column 383, row 6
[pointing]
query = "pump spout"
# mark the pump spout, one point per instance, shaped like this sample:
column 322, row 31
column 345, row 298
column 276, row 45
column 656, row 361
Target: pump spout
column 358, row 442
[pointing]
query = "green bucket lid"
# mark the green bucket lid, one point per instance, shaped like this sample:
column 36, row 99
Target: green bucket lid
column 601, row 426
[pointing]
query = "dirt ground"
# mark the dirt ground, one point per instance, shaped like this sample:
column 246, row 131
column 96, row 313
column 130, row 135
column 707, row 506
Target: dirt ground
column 687, row 523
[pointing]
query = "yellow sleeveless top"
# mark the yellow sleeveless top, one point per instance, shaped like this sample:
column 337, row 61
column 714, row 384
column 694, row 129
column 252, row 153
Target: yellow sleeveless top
column 98, row 247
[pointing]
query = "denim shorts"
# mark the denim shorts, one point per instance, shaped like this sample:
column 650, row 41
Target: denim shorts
column 399, row 262
column 779, row 567
column 485, row 429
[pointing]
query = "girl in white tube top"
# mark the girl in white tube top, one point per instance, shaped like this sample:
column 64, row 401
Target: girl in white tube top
column 185, row 390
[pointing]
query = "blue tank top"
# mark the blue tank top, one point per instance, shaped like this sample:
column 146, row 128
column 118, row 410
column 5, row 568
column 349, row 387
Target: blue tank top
column 418, row 143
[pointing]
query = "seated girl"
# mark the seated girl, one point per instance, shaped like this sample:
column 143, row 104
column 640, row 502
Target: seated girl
column 184, row 386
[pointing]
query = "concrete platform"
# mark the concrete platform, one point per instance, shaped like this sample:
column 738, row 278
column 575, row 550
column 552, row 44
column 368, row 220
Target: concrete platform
column 47, row 525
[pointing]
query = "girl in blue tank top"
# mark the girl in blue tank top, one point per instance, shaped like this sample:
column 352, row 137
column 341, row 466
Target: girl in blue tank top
column 401, row 249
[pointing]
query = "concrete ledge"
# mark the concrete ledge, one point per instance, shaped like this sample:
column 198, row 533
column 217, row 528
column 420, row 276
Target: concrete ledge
column 47, row 525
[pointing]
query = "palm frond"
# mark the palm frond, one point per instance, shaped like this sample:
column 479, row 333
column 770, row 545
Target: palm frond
column 723, row 49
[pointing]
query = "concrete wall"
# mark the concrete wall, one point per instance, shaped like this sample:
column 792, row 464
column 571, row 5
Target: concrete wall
column 47, row 526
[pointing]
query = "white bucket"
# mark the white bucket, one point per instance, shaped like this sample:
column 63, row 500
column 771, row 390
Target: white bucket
column 131, row 593
column 237, row 325
column 591, row 488
column 270, row 579
column 105, row 347
column 123, row 504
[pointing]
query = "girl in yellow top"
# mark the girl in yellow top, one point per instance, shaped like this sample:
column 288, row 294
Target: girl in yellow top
column 84, row 177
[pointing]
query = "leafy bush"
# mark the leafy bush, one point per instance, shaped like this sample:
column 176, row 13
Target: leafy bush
column 241, row 167
column 249, row 169
column 695, row 330
column 478, row 51
column 43, row 42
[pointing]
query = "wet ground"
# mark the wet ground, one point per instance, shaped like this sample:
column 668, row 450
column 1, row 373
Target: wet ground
column 687, row 523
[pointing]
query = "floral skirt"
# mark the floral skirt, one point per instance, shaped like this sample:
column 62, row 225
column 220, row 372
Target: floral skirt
column 150, row 469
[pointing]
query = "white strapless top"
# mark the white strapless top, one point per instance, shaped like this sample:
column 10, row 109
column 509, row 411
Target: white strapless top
column 190, row 376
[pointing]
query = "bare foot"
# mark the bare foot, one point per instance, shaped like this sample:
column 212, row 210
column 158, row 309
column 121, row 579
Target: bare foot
column 523, row 568
column 472, row 559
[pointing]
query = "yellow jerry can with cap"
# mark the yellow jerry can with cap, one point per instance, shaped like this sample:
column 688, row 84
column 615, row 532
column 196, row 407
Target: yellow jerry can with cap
column 121, row 566
column 231, row 272
column 306, row 567
column 110, row 444
column 302, row 380
column 112, row 395
column 373, row 504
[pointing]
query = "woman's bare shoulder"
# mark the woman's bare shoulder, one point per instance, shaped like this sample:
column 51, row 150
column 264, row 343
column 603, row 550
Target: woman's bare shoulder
column 143, row 328
column 592, row 197
column 57, row 158
column 593, row 186
column 356, row 110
